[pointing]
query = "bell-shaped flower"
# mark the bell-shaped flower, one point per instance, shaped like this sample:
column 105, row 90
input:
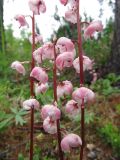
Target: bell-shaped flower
column 31, row 103
column 64, row 45
column 49, row 126
column 93, row 27
column 50, row 111
column 18, row 66
column 64, row 88
column 39, row 74
column 71, row 14
column 64, row 60
column 70, row 141
column 40, row 88
column 87, row 64
column 22, row 21
column 44, row 52
column 38, row 39
column 37, row 55
column 83, row 93
column 48, row 51
column 37, row 6
column 72, row 108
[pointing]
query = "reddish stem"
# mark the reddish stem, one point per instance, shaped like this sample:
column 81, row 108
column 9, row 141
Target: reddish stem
column 31, row 133
column 32, row 62
column 81, row 75
column 55, row 100
column 55, row 75
column 82, row 129
column 32, row 90
column 80, row 46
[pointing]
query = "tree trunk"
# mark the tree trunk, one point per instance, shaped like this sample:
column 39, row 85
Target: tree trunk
column 115, row 53
column 113, row 64
column 2, row 36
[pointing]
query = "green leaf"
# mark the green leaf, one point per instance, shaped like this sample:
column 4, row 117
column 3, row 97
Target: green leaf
column 2, row 115
column 22, row 112
column 14, row 110
column 77, row 118
column 89, row 117
column 19, row 120
column 20, row 156
column 5, row 122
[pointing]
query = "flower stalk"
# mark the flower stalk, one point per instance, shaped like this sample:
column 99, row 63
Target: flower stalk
column 81, row 75
column 55, row 100
column 32, row 90
column 31, row 133
column 32, row 61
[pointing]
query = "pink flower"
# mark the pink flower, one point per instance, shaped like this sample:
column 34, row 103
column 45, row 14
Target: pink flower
column 72, row 108
column 37, row 55
column 93, row 27
column 21, row 19
column 64, row 45
column 38, row 39
column 18, row 66
column 48, row 51
column 41, row 88
column 50, row 111
column 64, row 2
column 37, row 6
column 44, row 52
column 83, row 93
column 73, row 2
column 28, row 104
column 70, row 141
column 49, row 126
column 71, row 15
column 64, row 88
column 87, row 64
column 64, row 60
column 39, row 74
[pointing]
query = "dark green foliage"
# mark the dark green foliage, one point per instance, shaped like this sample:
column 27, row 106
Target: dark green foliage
column 111, row 135
column 9, row 118
column 16, row 49
column 12, row 87
column 108, row 85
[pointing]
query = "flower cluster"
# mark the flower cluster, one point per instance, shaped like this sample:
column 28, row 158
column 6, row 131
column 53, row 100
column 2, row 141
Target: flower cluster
column 65, row 57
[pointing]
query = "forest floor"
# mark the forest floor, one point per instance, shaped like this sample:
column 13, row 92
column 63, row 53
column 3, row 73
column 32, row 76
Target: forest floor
column 14, row 141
